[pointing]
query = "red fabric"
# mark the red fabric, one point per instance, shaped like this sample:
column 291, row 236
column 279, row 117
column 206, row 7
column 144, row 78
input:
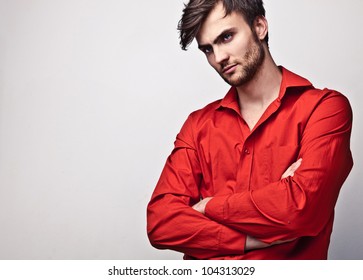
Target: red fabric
column 216, row 155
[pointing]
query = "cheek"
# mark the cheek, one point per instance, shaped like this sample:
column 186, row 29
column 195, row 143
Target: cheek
column 239, row 51
column 212, row 62
column 240, row 46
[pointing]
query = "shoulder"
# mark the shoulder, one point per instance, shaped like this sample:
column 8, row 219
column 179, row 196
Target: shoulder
column 310, row 98
column 326, row 98
column 329, row 107
column 302, row 91
column 205, row 113
column 196, row 119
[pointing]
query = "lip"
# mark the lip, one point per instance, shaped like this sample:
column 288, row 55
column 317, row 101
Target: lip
column 229, row 69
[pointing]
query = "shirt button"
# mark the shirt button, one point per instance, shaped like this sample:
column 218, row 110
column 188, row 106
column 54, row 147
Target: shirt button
column 247, row 151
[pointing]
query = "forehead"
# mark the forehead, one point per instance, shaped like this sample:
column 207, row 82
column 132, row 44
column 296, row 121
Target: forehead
column 217, row 21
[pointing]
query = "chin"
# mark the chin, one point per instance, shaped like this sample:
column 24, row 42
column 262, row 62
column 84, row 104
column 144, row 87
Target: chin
column 236, row 81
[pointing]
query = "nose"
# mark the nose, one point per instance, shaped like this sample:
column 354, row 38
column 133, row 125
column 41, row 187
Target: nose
column 220, row 55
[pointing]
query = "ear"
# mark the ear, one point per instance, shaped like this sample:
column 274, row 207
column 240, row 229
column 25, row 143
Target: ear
column 261, row 27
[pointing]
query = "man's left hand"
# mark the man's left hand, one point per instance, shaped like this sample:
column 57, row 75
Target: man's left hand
column 200, row 206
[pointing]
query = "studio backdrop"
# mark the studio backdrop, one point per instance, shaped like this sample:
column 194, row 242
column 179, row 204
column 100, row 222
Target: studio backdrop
column 92, row 95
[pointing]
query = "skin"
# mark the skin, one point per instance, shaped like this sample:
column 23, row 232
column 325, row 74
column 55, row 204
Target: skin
column 231, row 47
column 241, row 57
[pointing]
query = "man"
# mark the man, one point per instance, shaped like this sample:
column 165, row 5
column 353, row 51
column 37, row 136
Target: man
column 257, row 174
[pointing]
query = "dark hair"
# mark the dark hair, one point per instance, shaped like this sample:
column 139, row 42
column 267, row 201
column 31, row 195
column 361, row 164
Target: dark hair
column 196, row 11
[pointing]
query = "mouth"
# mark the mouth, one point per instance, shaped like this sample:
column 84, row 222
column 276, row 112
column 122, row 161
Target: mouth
column 229, row 68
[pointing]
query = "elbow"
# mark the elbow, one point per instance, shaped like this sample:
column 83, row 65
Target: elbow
column 152, row 234
column 153, row 238
column 154, row 242
column 301, row 223
column 155, row 229
column 159, row 238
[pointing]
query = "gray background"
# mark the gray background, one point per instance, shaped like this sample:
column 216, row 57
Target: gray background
column 92, row 94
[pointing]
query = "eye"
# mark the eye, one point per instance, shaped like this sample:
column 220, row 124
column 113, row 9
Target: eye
column 227, row 37
column 207, row 50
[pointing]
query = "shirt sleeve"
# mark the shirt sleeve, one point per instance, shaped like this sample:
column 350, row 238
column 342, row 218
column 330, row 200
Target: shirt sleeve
column 303, row 204
column 171, row 221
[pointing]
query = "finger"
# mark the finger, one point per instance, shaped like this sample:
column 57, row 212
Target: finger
column 195, row 206
column 292, row 168
column 288, row 172
column 295, row 165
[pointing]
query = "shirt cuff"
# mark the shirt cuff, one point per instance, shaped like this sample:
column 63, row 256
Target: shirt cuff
column 214, row 209
column 231, row 242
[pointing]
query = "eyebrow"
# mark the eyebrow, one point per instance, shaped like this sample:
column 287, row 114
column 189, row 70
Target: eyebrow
column 218, row 38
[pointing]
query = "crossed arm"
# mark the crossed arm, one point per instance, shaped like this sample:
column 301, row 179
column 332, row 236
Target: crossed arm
column 283, row 210
column 251, row 242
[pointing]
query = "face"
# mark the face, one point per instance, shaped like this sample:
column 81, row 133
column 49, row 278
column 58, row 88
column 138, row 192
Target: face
column 230, row 46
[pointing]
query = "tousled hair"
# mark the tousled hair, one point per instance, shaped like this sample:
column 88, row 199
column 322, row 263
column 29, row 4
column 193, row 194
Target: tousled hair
column 196, row 11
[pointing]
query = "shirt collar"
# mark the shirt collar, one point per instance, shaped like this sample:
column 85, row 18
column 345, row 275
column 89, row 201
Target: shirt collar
column 289, row 80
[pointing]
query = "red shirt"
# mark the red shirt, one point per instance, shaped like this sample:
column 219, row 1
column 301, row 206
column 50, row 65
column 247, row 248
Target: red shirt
column 216, row 155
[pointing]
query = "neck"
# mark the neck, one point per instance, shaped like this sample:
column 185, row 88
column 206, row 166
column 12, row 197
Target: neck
column 263, row 88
